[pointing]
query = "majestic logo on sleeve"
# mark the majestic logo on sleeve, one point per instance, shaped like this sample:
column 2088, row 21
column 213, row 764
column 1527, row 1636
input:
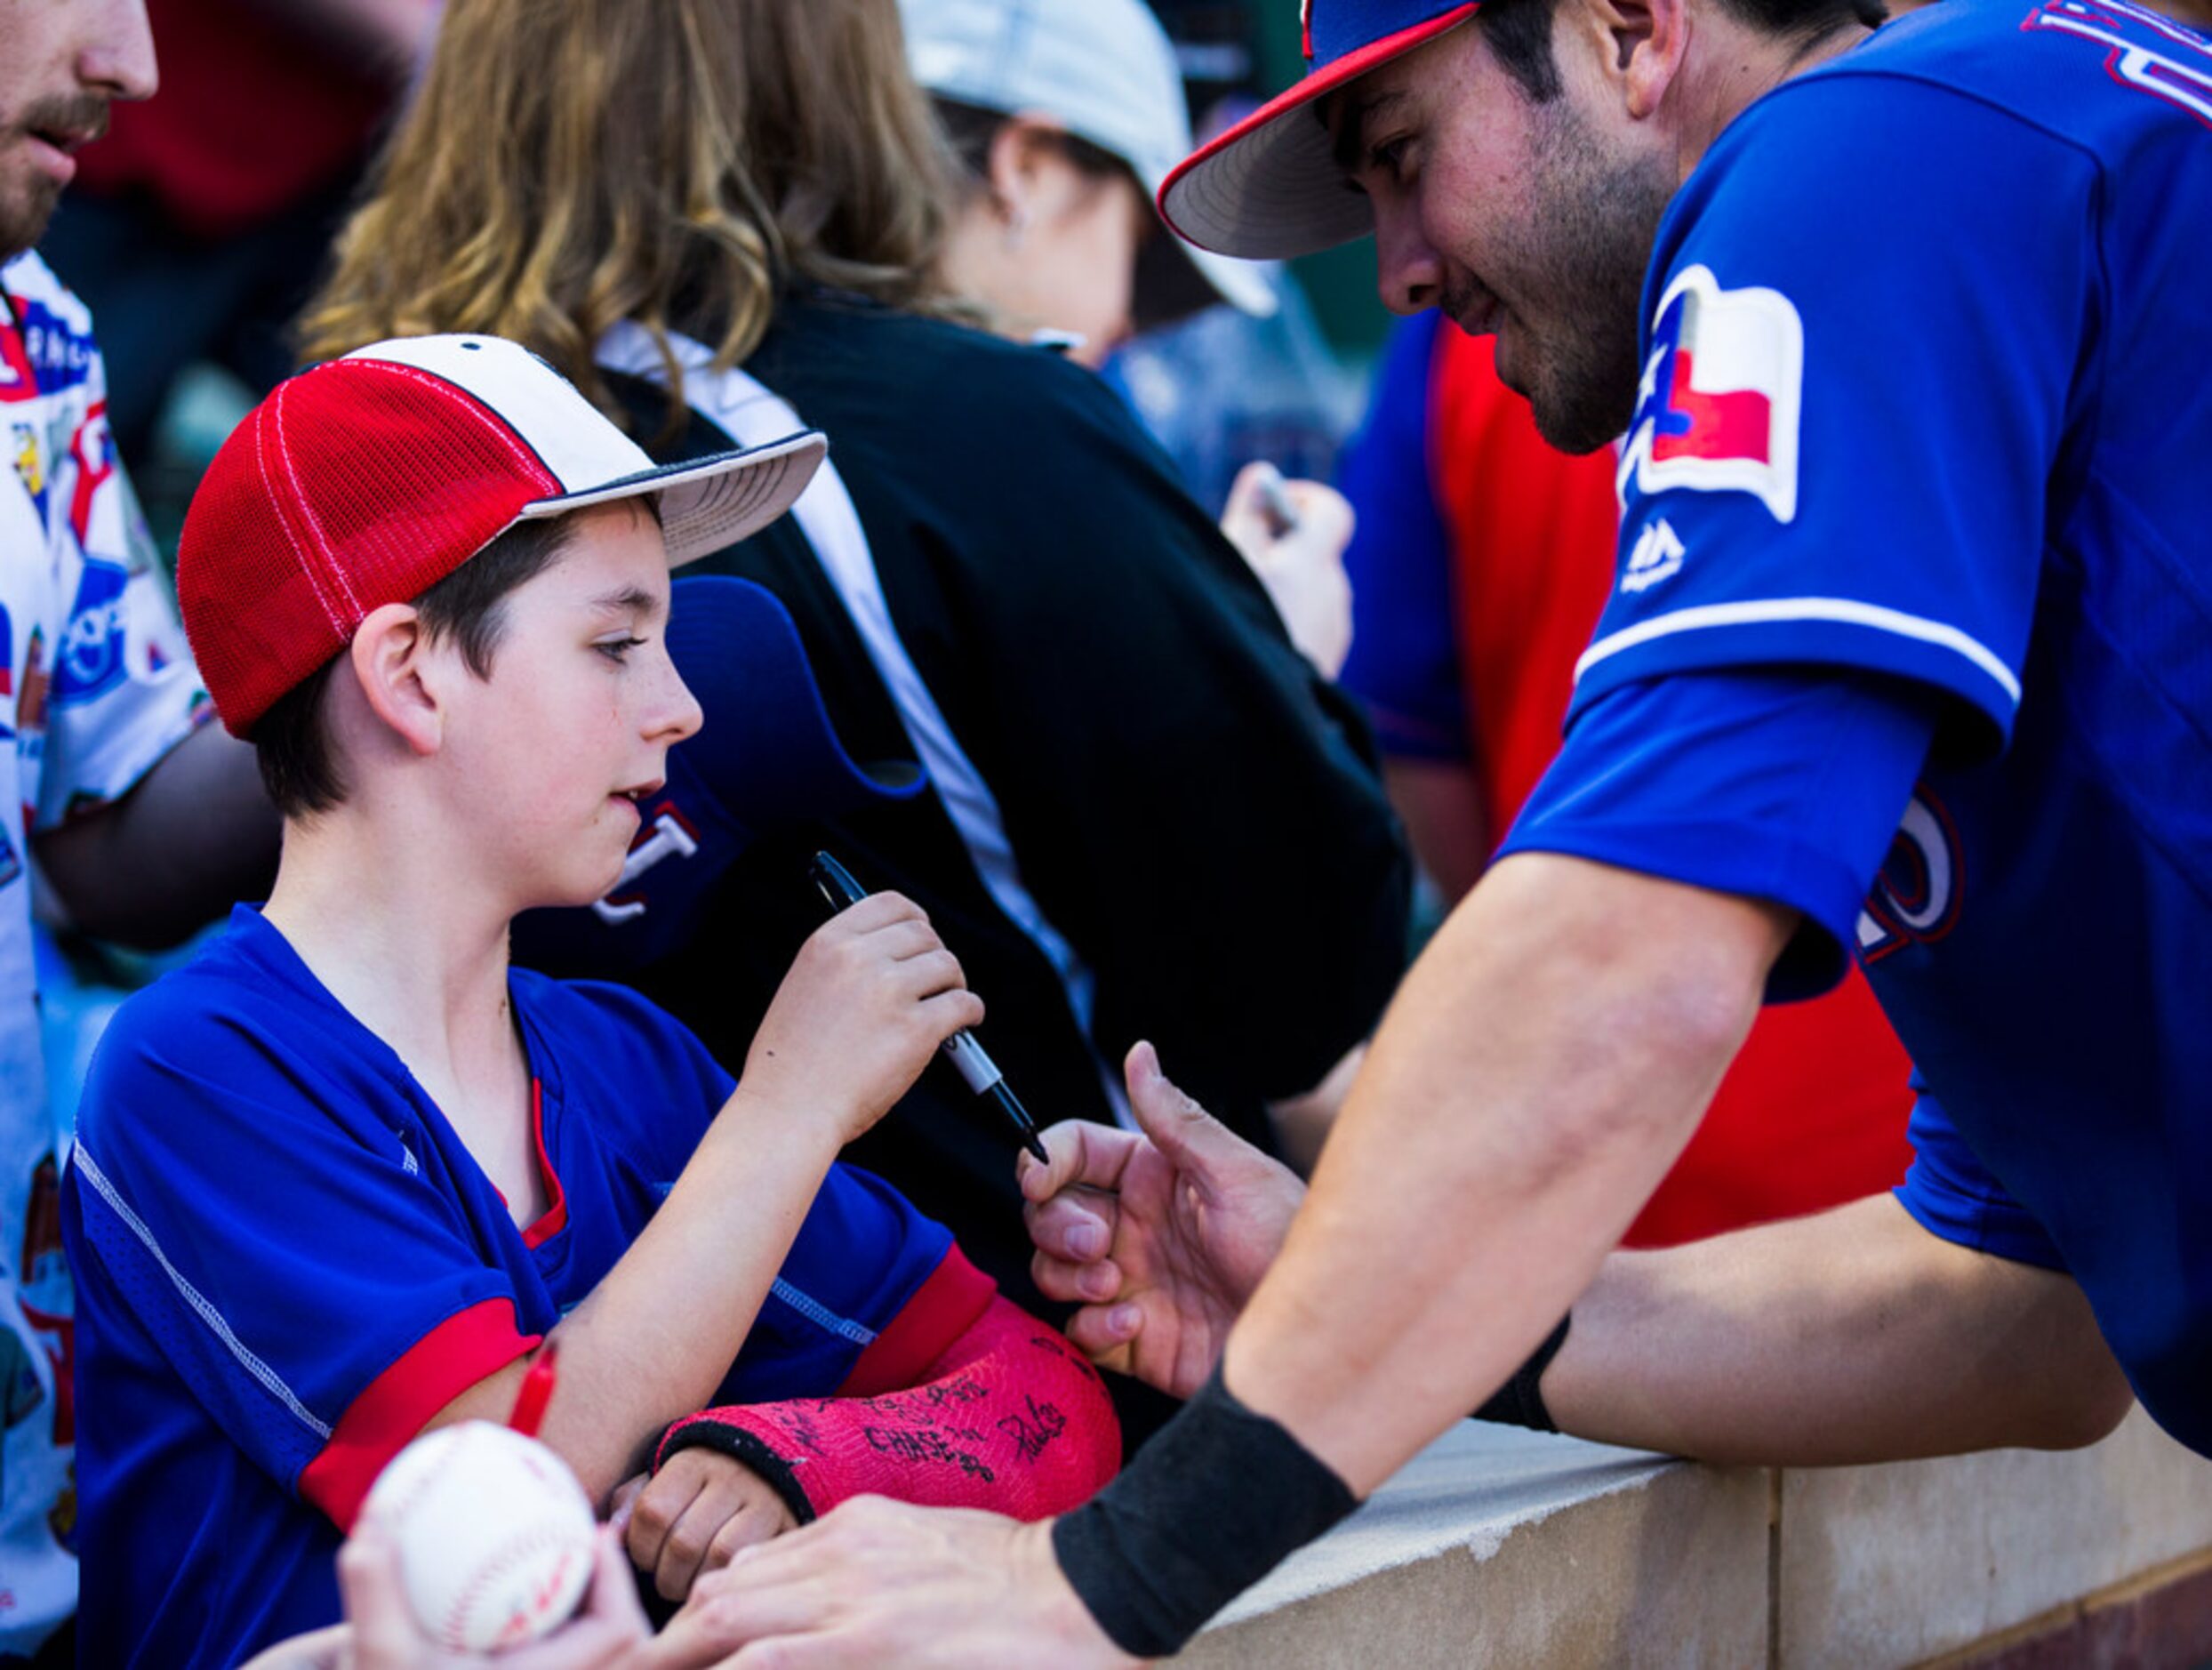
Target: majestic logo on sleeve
column 1718, row 407
column 1657, row 555
column 1916, row 897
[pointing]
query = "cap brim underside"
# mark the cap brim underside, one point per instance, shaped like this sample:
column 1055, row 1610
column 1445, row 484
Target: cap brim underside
column 706, row 503
column 1270, row 188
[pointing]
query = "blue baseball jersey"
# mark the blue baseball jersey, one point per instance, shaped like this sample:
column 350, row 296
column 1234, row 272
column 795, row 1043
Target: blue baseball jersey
column 287, row 1262
column 1925, row 411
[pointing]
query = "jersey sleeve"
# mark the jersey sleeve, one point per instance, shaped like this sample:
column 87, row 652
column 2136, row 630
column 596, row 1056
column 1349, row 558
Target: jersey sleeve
column 1783, row 785
column 122, row 690
column 298, row 1271
column 1858, row 363
column 1951, row 1195
column 1404, row 662
column 862, row 1253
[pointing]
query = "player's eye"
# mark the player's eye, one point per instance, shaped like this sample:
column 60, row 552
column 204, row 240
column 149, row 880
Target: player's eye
column 1388, row 157
column 618, row 648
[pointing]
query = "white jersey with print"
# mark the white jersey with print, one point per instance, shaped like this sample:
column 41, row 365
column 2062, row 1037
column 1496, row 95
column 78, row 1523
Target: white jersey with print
column 95, row 687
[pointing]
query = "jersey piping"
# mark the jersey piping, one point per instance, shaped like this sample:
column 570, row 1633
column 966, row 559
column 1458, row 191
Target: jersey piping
column 1838, row 610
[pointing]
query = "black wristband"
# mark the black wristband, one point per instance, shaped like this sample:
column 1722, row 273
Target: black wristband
column 1209, row 1507
column 749, row 1448
column 1520, row 1401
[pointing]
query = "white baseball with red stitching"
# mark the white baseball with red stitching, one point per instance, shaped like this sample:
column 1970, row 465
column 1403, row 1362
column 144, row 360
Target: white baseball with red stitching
column 494, row 1532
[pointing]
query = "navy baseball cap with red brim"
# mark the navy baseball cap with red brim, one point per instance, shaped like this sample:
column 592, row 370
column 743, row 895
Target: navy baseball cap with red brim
column 1271, row 186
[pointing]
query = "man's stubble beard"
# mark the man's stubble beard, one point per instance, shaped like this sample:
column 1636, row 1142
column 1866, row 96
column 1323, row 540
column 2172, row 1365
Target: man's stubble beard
column 23, row 219
column 1597, row 218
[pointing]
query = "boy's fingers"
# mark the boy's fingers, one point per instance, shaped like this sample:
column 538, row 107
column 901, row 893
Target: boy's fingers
column 875, row 913
column 927, row 974
column 903, row 939
column 654, row 1513
column 949, row 1011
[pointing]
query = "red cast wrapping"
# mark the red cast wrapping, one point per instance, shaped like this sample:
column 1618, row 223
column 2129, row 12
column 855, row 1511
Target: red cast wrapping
column 1009, row 1418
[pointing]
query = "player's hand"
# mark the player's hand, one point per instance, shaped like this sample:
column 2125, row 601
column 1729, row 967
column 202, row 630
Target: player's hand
column 693, row 1515
column 876, row 1582
column 872, row 994
column 1161, row 1237
column 1302, row 566
column 381, row 1631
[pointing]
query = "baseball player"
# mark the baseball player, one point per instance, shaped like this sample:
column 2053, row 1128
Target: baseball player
column 143, row 820
column 1906, row 329
column 339, row 1179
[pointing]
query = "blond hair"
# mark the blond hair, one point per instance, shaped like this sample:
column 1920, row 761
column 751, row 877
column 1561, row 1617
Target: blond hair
column 567, row 165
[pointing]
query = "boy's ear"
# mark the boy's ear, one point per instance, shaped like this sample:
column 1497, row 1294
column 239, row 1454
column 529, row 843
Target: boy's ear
column 391, row 664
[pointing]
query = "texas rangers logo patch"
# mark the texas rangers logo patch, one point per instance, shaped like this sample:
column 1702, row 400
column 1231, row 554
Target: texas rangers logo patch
column 1718, row 407
column 1916, row 894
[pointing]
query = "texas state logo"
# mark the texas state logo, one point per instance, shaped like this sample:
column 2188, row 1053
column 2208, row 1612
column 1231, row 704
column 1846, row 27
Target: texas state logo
column 1916, row 897
column 1718, row 407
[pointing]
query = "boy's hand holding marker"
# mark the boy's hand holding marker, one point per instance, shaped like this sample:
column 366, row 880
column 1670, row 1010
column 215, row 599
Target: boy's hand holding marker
column 872, row 995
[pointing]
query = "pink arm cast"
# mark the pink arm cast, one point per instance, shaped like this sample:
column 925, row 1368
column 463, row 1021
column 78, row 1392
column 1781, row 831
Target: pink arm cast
column 1007, row 1417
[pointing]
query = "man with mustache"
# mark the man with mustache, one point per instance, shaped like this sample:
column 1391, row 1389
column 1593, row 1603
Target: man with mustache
column 1904, row 660
column 144, row 819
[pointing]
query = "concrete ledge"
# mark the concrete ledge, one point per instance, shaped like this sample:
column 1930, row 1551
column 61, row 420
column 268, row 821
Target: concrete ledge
column 1508, row 1548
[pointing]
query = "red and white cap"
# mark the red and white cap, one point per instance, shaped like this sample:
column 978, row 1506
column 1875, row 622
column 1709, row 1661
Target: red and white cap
column 1271, row 186
column 370, row 479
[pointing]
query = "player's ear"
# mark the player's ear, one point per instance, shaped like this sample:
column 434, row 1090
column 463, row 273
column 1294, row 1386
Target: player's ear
column 1646, row 41
column 392, row 663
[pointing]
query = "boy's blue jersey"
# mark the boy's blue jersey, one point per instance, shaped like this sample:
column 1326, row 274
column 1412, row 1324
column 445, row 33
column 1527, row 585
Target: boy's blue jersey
column 1927, row 396
column 287, row 1262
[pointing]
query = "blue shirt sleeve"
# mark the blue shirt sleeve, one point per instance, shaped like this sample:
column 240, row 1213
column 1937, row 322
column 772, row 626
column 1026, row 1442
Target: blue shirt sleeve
column 1404, row 662
column 861, row 1254
column 279, row 1241
column 1775, row 785
column 1854, row 391
column 1951, row 1194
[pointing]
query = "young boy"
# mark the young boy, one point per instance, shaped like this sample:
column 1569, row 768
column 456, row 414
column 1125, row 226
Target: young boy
column 340, row 1179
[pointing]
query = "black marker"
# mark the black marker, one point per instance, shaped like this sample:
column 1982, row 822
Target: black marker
column 974, row 1065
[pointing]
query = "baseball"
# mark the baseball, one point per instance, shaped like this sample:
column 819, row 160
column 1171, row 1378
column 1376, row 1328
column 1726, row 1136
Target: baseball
column 493, row 1534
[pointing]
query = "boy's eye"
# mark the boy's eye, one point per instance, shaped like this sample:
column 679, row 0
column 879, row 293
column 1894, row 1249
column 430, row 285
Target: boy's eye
column 618, row 648
column 1385, row 158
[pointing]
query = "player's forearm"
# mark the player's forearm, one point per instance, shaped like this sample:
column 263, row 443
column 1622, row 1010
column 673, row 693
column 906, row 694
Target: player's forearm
column 1543, row 1064
column 658, row 1334
column 1852, row 1337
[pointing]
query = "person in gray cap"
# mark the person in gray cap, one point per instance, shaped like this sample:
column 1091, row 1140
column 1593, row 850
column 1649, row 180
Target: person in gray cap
column 1067, row 119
